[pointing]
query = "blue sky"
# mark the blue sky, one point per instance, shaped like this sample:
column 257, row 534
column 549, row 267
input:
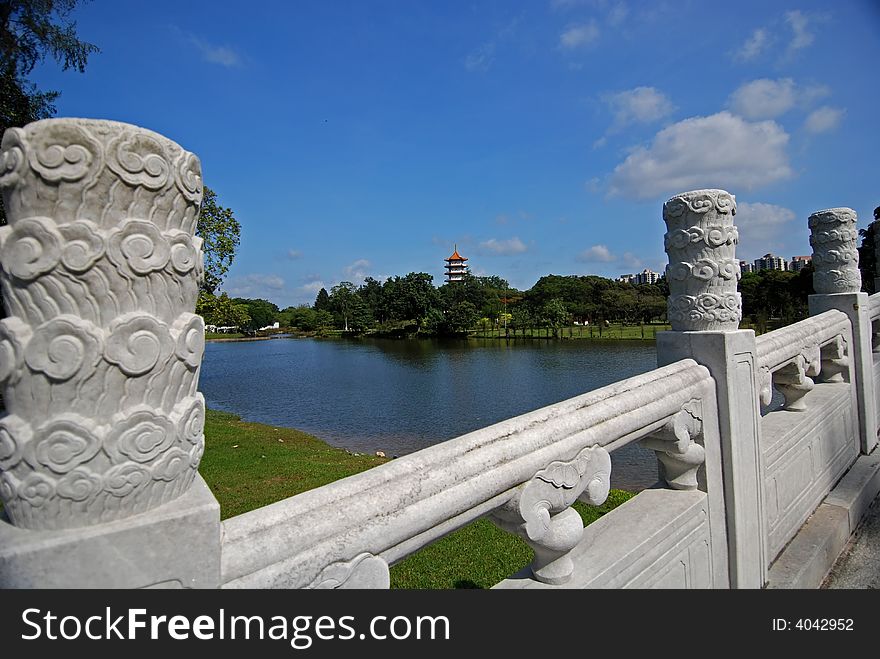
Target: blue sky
column 366, row 138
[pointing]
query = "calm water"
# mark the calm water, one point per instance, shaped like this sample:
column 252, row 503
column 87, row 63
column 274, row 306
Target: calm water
column 400, row 396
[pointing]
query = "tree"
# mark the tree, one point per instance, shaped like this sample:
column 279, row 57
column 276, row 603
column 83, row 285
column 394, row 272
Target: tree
column 461, row 317
column 30, row 30
column 372, row 295
column 322, row 301
column 342, row 301
column 222, row 311
column 868, row 253
column 411, row 297
column 555, row 315
column 221, row 234
column 262, row 312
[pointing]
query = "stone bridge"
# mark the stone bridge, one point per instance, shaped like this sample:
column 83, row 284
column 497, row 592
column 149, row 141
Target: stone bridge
column 100, row 448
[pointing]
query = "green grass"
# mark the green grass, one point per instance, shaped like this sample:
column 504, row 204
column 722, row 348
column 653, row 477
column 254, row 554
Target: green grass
column 249, row 465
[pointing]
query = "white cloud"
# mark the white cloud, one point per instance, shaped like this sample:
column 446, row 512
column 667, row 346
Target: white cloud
column 767, row 99
column 630, row 260
column 357, row 271
column 824, row 119
column 764, row 98
column 222, row 55
column 753, row 46
column 294, row 254
column 312, row 287
column 721, row 150
column 760, row 226
column 800, row 29
column 511, row 246
column 576, row 36
column 254, row 286
column 639, row 105
column 597, row 254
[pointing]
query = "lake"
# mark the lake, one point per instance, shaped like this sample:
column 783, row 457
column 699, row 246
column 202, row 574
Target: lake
column 398, row 396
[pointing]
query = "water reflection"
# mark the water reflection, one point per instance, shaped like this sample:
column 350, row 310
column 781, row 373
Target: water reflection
column 402, row 395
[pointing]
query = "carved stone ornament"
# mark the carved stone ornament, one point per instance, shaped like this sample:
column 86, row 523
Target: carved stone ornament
column 363, row 571
column 100, row 358
column 703, row 270
column 679, row 454
column 540, row 510
column 835, row 362
column 794, row 379
column 833, row 236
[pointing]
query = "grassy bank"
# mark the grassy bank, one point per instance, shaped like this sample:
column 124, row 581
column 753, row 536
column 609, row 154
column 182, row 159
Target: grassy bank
column 248, row 465
column 646, row 332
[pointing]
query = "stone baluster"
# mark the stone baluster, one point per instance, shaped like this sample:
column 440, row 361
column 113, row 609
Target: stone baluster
column 679, row 453
column 835, row 363
column 837, row 282
column 540, row 511
column 705, row 310
column 100, row 360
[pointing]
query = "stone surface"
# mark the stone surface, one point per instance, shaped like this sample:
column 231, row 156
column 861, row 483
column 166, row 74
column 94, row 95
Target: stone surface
column 100, row 358
column 833, row 236
column 176, row 545
column 805, row 454
column 839, row 546
column 731, row 358
column 658, row 539
column 811, row 553
column 858, row 489
column 703, row 270
column 859, row 564
column 857, row 307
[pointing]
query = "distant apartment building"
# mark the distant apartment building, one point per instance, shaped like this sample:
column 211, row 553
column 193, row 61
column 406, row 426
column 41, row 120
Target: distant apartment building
column 745, row 267
column 770, row 262
column 647, row 277
column 798, row 263
column 644, row 277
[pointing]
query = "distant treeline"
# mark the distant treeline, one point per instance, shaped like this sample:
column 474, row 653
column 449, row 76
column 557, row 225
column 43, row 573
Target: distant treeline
column 403, row 306
column 412, row 304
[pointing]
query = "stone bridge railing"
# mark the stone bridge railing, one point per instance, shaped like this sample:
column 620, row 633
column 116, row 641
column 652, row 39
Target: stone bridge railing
column 100, row 448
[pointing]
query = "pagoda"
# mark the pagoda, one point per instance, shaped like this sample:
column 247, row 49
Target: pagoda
column 456, row 268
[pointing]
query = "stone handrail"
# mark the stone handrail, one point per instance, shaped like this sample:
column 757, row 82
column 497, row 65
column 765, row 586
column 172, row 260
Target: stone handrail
column 351, row 530
column 789, row 357
column 874, row 315
column 874, row 306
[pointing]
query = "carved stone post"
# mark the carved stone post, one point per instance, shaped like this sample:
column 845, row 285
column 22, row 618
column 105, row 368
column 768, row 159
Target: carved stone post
column 703, row 270
column 705, row 310
column 838, row 282
column 100, row 357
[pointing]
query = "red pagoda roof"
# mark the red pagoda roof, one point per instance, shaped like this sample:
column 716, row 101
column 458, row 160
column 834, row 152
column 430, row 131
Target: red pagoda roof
column 456, row 256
